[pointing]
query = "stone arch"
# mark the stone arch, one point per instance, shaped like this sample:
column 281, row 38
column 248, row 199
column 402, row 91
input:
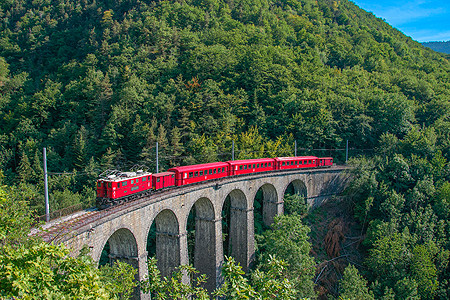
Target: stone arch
column 241, row 229
column 167, row 242
column 123, row 247
column 299, row 187
column 205, row 250
column 295, row 187
column 122, row 244
column 271, row 205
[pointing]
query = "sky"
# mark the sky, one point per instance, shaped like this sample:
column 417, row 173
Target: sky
column 423, row 20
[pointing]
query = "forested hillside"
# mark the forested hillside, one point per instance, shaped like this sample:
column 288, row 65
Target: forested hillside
column 99, row 82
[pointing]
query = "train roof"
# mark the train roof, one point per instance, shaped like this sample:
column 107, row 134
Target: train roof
column 249, row 161
column 296, row 157
column 199, row 167
column 162, row 174
column 120, row 176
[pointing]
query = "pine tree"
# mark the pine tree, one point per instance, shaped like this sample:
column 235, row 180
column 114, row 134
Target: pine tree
column 163, row 145
column 25, row 171
column 79, row 148
column 176, row 148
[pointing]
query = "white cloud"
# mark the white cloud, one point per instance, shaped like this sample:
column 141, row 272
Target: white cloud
column 430, row 35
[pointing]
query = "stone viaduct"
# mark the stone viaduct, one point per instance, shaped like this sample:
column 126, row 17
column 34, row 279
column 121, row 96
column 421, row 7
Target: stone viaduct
column 126, row 227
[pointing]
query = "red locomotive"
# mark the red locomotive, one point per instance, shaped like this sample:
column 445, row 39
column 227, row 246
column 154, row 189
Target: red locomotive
column 125, row 186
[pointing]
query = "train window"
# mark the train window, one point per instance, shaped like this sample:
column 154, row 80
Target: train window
column 257, row 165
column 201, row 173
column 124, row 183
column 240, row 167
column 158, row 179
column 314, row 161
column 144, row 179
column 309, row 161
column 270, row 164
column 132, row 181
column 210, row 172
column 109, row 184
column 191, row 174
column 283, row 163
column 196, row 174
column 215, row 171
column 99, row 184
column 245, row 167
column 137, row 180
column 173, row 176
column 149, row 178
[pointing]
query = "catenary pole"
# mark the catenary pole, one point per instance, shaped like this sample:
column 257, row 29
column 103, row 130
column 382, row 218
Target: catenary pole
column 346, row 153
column 157, row 159
column 232, row 151
column 47, row 207
column 295, row 148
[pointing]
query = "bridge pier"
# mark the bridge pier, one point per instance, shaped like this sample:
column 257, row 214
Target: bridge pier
column 208, row 255
column 242, row 236
column 168, row 252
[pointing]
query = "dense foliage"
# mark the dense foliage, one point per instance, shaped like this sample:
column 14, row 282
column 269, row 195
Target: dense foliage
column 99, row 82
column 33, row 269
column 401, row 196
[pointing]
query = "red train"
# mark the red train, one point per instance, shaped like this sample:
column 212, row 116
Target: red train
column 125, row 186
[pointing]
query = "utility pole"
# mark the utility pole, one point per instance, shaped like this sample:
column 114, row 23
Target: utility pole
column 47, row 207
column 157, row 159
column 346, row 153
column 295, row 148
column 232, row 151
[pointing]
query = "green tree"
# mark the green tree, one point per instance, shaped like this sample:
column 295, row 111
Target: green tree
column 288, row 240
column 353, row 285
column 295, row 204
column 235, row 286
column 33, row 269
column 173, row 287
